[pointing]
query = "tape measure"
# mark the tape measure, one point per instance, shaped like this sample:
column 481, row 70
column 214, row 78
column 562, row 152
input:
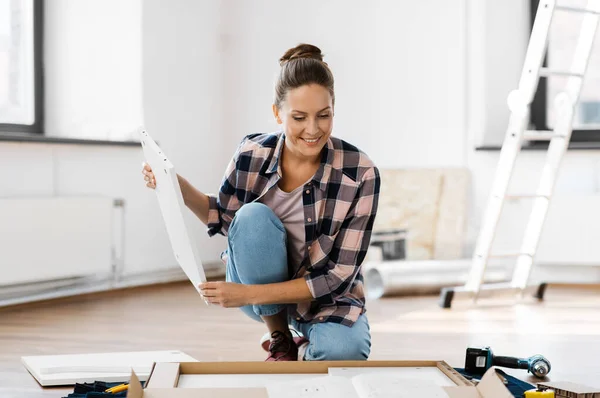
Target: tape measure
column 539, row 394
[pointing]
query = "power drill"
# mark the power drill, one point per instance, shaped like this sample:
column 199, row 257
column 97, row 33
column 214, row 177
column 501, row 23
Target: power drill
column 478, row 360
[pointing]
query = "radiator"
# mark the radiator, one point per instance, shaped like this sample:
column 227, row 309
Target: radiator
column 53, row 239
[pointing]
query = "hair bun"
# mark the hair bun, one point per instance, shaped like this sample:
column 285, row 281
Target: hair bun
column 301, row 51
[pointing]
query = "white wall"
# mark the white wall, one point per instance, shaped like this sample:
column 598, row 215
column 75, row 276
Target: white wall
column 420, row 64
column 399, row 68
column 93, row 64
column 418, row 84
column 497, row 47
column 104, row 63
column 183, row 97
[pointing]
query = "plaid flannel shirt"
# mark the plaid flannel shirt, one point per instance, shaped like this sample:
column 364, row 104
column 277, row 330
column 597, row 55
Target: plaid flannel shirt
column 340, row 204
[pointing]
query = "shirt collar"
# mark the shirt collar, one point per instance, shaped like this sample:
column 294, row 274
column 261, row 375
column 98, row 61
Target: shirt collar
column 321, row 177
column 274, row 165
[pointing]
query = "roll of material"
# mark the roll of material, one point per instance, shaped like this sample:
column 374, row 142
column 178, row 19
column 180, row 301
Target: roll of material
column 409, row 277
column 539, row 394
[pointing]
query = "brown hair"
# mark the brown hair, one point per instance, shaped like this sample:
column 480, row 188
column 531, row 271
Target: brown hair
column 302, row 65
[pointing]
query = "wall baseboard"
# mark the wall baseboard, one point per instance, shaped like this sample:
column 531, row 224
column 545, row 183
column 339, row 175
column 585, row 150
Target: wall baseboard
column 48, row 290
column 419, row 277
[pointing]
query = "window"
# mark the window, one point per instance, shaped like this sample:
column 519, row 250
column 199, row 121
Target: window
column 564, row 32
column 20, row 66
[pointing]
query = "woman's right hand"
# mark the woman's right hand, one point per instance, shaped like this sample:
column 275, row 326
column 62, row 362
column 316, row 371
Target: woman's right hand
column 148, row 175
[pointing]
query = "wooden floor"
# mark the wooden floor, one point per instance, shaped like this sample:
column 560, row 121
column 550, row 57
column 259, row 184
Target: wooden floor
column 565, row 328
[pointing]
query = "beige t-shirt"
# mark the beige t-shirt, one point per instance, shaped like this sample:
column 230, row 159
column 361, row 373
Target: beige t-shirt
column 289, row 208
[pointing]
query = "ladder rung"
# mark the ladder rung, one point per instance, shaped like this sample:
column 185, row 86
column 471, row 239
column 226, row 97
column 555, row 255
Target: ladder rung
column 540, row 135
column 504, row 255
column 553, row 72
column 577, row 9
column 519, row 196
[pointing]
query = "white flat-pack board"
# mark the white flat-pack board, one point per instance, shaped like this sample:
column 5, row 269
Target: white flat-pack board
column 111, row 367
column 171, row 204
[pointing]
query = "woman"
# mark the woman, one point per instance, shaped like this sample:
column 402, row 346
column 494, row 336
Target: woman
column 297, row 208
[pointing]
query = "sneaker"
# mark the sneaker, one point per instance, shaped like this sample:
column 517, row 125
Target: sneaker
column 302, row 346
column 282, row 347
column 265, row 341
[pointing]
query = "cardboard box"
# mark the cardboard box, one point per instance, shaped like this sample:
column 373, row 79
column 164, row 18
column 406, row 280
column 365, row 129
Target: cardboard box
column 164, row 378
column 571, row 390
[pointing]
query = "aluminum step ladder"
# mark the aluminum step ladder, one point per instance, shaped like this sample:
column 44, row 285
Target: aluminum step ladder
column 519, row 102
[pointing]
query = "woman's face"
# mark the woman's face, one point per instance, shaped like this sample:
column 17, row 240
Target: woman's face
column 307, row 119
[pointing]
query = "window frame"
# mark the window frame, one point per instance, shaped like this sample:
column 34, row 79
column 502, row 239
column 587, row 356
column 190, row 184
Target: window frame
column 539, row 110
column 38, row 53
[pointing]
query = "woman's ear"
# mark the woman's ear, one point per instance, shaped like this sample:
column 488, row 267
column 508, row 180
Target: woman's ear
column 276, row 114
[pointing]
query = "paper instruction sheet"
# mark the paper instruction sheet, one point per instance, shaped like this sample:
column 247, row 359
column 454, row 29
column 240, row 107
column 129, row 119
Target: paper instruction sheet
column 362, row 385
column 318, row 387
column 239, row 380
column 432, row 374
column 393, row 385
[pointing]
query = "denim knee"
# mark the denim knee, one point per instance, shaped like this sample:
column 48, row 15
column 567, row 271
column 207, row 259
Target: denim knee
column 348, row 350
column 255, row 217
column 257, row 252
column 336, row 342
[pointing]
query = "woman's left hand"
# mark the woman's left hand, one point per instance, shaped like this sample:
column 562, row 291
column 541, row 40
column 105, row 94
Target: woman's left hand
column 226, row 294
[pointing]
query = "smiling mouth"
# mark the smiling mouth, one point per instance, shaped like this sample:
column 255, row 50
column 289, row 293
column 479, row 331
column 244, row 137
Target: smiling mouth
column 311, row 141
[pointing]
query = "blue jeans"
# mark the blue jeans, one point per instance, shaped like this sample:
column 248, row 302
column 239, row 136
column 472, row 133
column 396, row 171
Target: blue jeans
column 257, row 254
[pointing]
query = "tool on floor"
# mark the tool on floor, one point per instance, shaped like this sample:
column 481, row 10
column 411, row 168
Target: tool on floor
column 117, row 389
column 519, row 103
column 539, row 393
column 478, row 360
